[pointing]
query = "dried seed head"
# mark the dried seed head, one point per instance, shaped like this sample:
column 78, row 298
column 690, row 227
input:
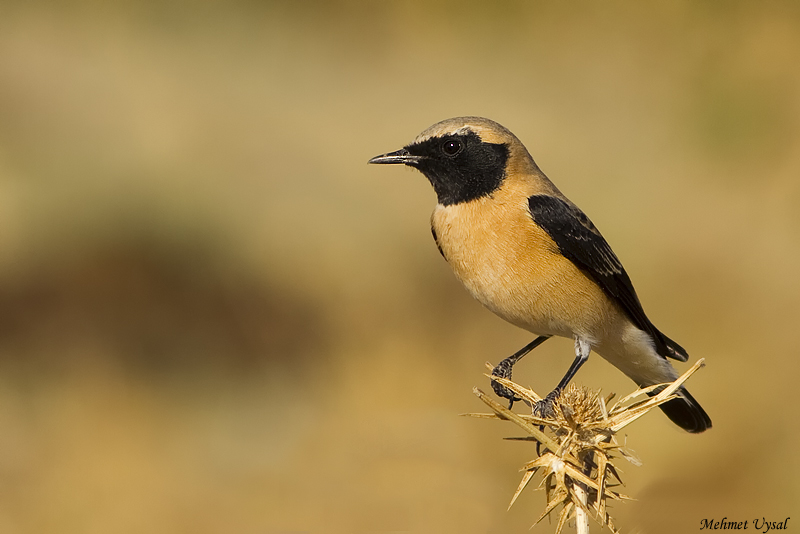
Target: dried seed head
column 578, row 468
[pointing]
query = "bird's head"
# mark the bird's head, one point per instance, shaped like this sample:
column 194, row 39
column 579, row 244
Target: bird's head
column 464, row 158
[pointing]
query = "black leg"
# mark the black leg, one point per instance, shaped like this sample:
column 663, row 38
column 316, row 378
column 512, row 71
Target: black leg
column 504, row 368
column 545, row 406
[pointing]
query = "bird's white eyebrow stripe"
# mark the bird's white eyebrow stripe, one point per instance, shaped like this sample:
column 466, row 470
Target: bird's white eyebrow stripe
column 432, row 135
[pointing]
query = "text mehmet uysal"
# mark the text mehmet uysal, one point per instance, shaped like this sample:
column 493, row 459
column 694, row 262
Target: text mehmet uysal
column 760, row 524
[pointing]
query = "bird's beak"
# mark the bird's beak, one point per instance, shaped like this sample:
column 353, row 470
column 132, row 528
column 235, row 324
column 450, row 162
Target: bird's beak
column 400, row 156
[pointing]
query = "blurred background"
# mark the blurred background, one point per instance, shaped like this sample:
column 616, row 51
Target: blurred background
column 215, row 317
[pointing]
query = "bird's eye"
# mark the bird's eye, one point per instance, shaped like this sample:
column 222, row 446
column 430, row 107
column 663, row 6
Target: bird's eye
column 451, row 147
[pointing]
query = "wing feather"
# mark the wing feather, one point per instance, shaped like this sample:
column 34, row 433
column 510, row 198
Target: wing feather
column 579, row 241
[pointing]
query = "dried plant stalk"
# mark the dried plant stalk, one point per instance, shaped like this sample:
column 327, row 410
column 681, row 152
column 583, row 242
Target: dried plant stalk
column 577, row 466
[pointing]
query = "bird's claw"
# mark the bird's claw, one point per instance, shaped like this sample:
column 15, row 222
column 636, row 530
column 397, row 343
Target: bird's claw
column 545, row 408
column 503, row 370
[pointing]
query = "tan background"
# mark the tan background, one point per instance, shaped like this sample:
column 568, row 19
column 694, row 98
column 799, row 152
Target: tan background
column 215, row 317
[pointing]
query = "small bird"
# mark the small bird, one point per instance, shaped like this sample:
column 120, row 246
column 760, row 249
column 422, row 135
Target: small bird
column 532, row 257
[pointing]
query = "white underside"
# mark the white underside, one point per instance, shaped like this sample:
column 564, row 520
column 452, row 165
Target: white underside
column 634, row 354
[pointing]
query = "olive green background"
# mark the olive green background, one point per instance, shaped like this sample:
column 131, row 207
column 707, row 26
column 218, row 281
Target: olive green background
column 215, row 317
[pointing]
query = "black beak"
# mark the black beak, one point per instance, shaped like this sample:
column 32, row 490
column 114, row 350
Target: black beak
column 401, row 156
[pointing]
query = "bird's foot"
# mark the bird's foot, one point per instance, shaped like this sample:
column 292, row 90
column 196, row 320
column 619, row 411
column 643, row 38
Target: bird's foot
column 503, row 370
column 545, row 408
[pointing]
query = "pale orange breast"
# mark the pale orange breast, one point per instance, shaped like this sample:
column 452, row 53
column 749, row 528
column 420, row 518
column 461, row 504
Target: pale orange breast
column 514, row 268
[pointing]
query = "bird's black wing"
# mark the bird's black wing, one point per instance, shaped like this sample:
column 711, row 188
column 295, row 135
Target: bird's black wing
column 580, row 242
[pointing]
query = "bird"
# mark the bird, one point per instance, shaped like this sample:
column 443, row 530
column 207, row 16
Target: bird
column 532, row 257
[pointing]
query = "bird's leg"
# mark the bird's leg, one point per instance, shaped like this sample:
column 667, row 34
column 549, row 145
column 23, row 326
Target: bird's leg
column 504, row 368
column 544, row 408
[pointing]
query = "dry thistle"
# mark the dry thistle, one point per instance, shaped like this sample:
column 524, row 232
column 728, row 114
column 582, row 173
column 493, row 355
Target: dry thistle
column 577, row 467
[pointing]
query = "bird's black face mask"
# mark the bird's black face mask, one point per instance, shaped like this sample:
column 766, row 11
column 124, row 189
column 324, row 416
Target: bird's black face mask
column 460, row 167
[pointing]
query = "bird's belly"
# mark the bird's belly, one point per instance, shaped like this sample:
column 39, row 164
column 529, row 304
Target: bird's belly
column 531, row 304
column 513, row 268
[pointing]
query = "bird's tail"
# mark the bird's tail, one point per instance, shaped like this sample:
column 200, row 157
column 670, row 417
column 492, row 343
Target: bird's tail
column 668, row 348
column 686, row 412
